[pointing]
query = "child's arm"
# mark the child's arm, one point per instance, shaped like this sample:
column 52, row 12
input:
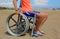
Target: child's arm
column 15, row 6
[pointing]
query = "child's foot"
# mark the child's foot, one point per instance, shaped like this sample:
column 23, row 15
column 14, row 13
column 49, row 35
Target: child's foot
column 42, row 32
column 36, row 34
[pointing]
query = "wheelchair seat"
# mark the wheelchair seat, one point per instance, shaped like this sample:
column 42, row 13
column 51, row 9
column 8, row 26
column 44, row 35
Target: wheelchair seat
column 29, row 14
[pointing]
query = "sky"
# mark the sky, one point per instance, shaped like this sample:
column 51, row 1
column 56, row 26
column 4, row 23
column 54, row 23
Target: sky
column 35, row 3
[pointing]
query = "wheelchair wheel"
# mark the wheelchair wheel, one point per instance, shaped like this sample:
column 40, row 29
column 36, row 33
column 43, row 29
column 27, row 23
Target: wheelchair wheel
column 17, row 25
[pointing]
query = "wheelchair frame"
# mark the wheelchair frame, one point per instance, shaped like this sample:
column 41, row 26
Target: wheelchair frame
column 26, row 27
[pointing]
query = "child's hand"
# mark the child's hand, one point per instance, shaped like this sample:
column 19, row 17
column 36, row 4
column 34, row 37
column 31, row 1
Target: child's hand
column 17, row 11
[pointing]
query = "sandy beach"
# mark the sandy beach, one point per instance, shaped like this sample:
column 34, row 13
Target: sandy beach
column 51, row 27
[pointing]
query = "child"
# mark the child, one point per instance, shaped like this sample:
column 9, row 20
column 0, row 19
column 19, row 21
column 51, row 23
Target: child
column 26, row 6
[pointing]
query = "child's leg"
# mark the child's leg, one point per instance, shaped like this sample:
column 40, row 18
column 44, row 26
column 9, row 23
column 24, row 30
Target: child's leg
column 41, row 19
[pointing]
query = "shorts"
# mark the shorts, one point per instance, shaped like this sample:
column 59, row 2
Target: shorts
column 31, row 14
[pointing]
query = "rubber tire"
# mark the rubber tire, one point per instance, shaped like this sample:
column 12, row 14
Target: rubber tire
column 14, row 34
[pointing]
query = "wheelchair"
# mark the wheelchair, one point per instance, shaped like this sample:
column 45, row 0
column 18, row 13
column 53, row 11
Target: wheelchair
column 19, row 24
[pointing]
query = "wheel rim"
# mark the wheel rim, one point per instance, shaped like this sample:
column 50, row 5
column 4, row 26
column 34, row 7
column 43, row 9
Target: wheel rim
column 19, row 24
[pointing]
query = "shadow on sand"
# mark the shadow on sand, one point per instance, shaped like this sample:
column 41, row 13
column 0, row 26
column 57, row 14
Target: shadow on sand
column 11, row 35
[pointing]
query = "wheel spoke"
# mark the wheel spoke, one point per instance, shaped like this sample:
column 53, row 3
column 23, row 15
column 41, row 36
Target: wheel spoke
column 13, row 20
column 18, row 20
column 13, row 25
column 22, row 22
column 21, row 29
column 16, row 29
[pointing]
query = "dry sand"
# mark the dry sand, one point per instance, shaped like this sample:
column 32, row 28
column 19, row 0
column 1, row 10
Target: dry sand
column 51, row 26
